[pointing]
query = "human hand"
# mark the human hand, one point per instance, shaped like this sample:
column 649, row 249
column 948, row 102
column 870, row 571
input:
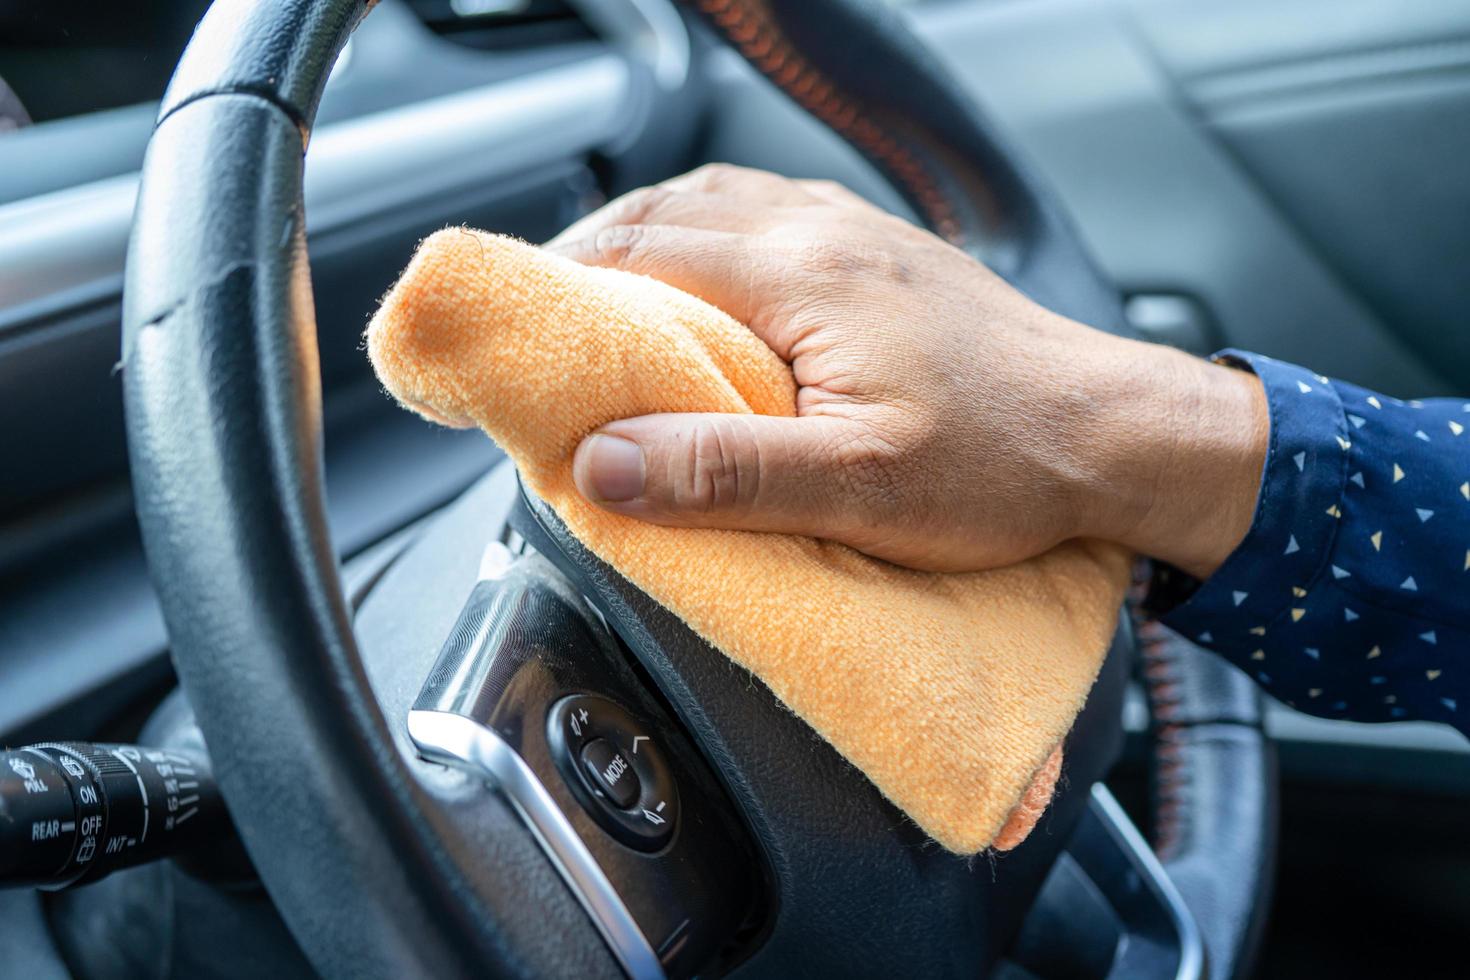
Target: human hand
column 944, row 421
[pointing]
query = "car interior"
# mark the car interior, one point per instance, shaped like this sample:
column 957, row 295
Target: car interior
column 295, row 683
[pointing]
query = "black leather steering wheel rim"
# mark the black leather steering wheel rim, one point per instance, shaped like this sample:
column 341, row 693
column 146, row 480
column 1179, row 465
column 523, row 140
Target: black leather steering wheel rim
column 223, row 414
column 219, row 349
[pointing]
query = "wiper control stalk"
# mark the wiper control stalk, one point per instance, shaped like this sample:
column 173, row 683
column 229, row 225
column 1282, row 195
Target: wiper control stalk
column 74, row 812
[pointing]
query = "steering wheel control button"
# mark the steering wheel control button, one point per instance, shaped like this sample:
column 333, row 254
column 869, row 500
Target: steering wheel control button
column 616, row 769
column 610, row 772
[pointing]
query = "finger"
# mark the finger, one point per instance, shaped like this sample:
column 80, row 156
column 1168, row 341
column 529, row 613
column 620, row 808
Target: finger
column 726, row 270
column 747, row 472
column 629, row 209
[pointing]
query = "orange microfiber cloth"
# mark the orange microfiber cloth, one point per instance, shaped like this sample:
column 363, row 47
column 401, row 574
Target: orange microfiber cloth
column 951, row 692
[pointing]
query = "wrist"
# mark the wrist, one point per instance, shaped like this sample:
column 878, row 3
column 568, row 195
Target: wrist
column 1184, row 443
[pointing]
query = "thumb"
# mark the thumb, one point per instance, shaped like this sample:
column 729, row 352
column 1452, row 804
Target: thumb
column 748, row 472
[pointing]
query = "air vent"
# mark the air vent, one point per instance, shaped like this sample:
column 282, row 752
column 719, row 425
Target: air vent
column 500, row 24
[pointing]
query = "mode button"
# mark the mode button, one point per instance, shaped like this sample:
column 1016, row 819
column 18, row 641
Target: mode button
column 615, row 767
column 611, row 773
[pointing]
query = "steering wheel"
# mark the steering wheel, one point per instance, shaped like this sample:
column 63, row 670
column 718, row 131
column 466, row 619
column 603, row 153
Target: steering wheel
column 386, row 864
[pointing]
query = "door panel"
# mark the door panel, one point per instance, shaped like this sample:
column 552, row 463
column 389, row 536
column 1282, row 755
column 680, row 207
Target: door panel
column 1355, row 121
column 1290, row 166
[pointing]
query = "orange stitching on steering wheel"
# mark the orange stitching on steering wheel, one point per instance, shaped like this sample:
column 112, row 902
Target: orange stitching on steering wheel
column 749, row 26
column 1171, row 797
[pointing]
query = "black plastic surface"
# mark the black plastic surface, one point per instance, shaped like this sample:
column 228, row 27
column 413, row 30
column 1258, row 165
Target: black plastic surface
column 548, row 680
column 849, row 867
column 27, row 945
column 1070, row 905
column 1148, row 939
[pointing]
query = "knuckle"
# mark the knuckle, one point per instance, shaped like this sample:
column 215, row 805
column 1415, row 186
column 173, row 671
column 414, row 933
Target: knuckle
column 641, row 205
column 850, row 258
column 716, row 176
column 619, row 244
column 829, row 189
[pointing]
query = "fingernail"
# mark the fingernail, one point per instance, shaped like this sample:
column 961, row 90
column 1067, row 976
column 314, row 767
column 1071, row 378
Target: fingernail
column 608, row 469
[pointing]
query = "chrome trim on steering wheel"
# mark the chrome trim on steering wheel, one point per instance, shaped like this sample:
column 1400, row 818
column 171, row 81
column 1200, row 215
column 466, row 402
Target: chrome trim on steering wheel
column 462, row 742
column 1110, row 814
column 444, row 731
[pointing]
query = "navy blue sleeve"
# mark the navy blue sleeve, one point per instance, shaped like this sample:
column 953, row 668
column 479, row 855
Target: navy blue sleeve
column 1350, row 595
